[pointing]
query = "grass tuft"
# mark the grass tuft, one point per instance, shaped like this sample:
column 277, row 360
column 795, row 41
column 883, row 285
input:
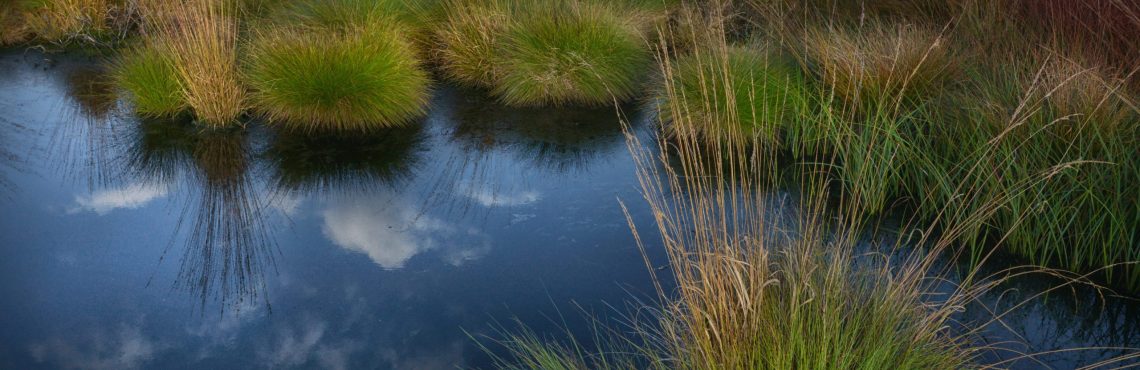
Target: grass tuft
column 13, row 29
column 64, row 21
column 148, row 74
column 1054, row 118
column 469, row 40
column 201, row 36
column 878, row 65
column 331, row 81
column 750, row 89
column 574, row 53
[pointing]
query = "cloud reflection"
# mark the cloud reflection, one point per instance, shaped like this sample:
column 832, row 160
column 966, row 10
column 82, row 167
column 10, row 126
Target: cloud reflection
column 132, row 196
column 391, row 231
column 489, row 198
column 126, row 348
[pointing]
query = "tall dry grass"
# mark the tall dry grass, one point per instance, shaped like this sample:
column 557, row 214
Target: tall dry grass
column 201, row 37
column 469, row 41
column 69, row 20
column 879, row 64
column 1103, row 30
column 13, row 28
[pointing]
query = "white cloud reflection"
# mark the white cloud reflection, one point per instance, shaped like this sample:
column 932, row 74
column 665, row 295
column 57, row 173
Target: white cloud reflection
column 126, row 348
column 133, row 196
column 490, row 198
column 391, row 231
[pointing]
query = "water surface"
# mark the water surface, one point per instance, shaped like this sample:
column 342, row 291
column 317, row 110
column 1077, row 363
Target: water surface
column 127, row 243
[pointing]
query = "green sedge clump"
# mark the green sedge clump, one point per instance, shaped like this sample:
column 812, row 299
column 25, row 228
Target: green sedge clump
column 582, row 54
column 150, row 78
column 735, row 90
column 337, row 81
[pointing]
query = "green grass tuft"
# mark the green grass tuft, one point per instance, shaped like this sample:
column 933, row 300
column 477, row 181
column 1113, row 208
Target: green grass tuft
column 578, row 53
column 468, row 50
column 148, row 74
column 746, row 89
column 416, row 18
column 334, row 81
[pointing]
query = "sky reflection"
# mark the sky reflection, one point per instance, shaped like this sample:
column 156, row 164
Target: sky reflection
column 155, row 244
column 391, row 231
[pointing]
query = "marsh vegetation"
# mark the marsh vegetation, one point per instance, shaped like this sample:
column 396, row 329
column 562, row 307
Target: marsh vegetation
column 992, row 127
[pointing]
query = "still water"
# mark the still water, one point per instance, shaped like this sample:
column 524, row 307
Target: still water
column 133, row 244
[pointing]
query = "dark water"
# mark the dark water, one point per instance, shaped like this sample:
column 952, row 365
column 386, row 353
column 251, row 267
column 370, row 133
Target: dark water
column 128, row 244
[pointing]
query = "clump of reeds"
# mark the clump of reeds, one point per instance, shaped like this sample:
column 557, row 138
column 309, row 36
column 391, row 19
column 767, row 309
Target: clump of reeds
column 354, row 80
column 757, row 290
column 149, row 76
column 1052, row 117
column 201, row 38
column 880, row 78
column 571, row 53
